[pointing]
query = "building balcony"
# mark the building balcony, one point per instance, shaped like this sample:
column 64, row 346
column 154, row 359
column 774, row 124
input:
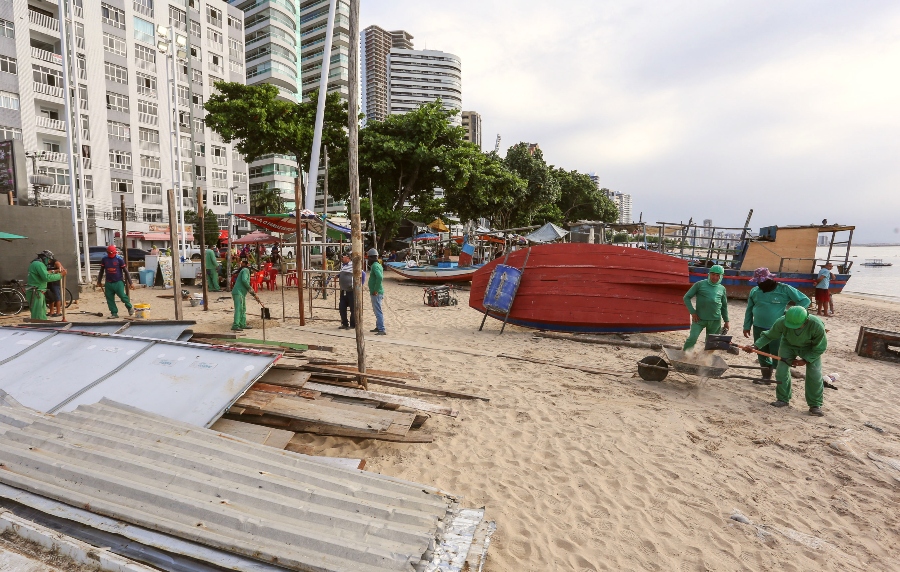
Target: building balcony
column 58, row 189
column 151, row 173
column 51, row 124
column 43, row 21
column 149, row 146
column 46, row 56
column 215, row 67
column 141, row 9
column 145, row 65
column 148, row 119
column 50, row 91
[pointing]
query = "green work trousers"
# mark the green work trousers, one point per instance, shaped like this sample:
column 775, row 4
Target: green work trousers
column 711, row 326
column 212, row 280
column 37, row 302
column 814, row 385
column 240, row 310
column 771, row 348
column 113, row 289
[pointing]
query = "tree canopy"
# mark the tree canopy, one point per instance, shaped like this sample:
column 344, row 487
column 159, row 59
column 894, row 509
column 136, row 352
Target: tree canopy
column 210, row 225
column 266, row 201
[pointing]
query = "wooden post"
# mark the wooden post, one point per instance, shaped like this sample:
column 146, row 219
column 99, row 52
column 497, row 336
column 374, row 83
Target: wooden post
column 297, row 256
column 124, row 243
column 372, row 214
column 176, row 258
column 9, row 195
column 353, row 157
column 201, row 211
column 62, row 294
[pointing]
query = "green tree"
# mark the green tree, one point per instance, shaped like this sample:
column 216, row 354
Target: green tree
column 210, row 226
column 537, row 202
column 580, row 199
column 483, row 188
column 266, row 201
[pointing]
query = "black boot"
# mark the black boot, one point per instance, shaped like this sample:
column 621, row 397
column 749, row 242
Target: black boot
column 767, row 373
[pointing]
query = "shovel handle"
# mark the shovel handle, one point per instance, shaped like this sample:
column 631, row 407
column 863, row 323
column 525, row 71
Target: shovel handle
column 762, row 353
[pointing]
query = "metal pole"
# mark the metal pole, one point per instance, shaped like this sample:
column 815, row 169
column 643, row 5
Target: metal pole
column 325, row 229
column 190, row 82
column 372, row 214
column 353, row 157
column 68, row 110
column 176, row 260
column 320, row 108
column 297, row 256
column 230, row 232
column 124, row 239
column 176, row 133
column 201, row 212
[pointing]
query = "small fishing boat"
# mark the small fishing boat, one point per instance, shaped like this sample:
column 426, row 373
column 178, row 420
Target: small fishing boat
column 876, row 262
column 595, row 288
column 440, row 272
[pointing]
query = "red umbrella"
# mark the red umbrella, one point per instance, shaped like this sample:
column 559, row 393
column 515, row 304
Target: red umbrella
column 257, row 237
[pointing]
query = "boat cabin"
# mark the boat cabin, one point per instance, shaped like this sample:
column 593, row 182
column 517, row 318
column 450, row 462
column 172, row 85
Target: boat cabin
column 792, row 249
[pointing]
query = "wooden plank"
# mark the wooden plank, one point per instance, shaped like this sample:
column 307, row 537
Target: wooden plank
column 325, row 430
column 569, row 366
column 410, row 402
column 304, row 393
column 381, row 372
column 316, row 411
column 203, row 336
column 433, row 391
column 336, row 372
column 256, row 344
column 277, row 438
column 286, row 378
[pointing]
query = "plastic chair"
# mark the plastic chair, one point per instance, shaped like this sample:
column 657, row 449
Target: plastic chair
column 290, row 278
column 270, row 278
column 256, row 281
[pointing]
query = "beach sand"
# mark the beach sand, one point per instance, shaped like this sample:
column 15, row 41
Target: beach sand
column 591, row 472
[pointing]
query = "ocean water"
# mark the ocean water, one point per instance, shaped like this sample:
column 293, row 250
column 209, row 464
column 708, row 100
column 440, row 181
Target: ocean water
column 881, row 282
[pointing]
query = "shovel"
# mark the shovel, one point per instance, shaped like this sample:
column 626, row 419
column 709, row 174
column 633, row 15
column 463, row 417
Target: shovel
column 263, row 313
column 724, row 343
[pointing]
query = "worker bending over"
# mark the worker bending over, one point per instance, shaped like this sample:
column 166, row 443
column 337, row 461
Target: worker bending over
column 712, row 306
column 36, row 284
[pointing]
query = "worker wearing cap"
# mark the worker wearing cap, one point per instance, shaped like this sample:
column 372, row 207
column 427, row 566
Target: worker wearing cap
column 766, row 303
column 36, row 284
column 113, row 268
column 712, row 306
column 239, row 297
column 212, row 270
column 803, row 342
column 376, row 291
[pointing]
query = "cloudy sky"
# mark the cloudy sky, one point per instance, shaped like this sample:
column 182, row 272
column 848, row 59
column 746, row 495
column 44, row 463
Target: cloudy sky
column 697, row 109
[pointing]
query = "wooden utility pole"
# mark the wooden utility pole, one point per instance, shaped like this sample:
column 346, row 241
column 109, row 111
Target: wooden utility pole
column 297, row 255
column 201, row 210
column 176, row 258
column 355, row 228
column 372, row 214
column 124, row 243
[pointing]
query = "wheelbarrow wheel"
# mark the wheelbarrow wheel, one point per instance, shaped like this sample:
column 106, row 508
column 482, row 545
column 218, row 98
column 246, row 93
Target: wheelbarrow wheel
column 653, row 368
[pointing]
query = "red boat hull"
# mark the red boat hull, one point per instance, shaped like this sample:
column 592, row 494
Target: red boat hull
column 600, row 288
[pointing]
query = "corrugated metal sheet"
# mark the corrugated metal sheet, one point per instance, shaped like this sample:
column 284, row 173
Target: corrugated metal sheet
column 54, row 371
column 157, row 329
column 226, row 493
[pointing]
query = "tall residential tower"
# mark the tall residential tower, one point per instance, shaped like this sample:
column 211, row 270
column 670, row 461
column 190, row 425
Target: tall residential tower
column 417, row 77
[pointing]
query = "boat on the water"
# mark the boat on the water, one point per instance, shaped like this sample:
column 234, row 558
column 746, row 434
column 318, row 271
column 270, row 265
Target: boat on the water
column 441, row 272
column 596, row 288
column 876, row 262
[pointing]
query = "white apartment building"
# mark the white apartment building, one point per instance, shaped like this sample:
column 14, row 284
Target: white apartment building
column 623, row 203
column 471, row 122
column 122, row 139
column 417, row 77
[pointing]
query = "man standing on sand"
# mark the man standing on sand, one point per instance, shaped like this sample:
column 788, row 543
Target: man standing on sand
column 376, row 291
column 212, row 270
column 239, row 297
column 345, row 280
column 712, row 306
column 823, row 294
column 765, row 304
column 114, row 269
column 36, row 284
column 803, row 342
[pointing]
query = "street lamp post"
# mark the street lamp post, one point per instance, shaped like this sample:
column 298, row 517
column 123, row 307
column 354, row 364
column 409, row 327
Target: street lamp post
column 230, row 232
column 166, row 37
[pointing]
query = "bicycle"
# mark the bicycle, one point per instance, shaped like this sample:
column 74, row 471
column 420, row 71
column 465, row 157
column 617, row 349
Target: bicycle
column 13, row 299
column 320, row 287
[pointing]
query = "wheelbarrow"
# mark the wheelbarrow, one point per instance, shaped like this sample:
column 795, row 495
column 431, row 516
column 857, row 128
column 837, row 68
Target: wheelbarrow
column 655, row 368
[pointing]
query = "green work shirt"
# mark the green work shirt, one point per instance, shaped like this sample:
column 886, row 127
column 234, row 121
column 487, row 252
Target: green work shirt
column 212, row 262
column 712, row 302
column 763, row 308
column 376, row 277
column 38, row 276
column 242, row 283
column 808, row 341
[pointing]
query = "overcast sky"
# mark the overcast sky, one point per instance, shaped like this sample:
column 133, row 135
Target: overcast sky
column 696, row 109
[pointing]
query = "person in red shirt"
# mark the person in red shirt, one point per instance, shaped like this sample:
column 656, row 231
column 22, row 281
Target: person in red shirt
column 113, row 268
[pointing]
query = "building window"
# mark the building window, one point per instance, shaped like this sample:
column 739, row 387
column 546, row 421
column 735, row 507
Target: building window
column 112, row 16
column 9, row 100
column 200, row 149
column 198, row 125
column 218, row 155
column 197, row 100
column 145, row 57
column 129, row 213
column 235, row 23
column 47, row 76
column 120, row 185
column 197, row 76
column 120, row 160
column 220, row 178
column 273, row 169
column 220, row 200
column 85, row 128
column 116, row 73
column 196, row 53
column 238, row 177
column 195, row 28
column 148, row 112
column 214, row 39
column 144, row 31
column 114, row 44
column 8, row 31
column 144, row 7
column 116, row 102
column 214, row 16
column 200, row 172
column 120, row 131
column 151, row 193
column 59, row 174
column 82, row 97
column 8, row 65
column 149, row 139
column 7, row 133
column 146, row 85
column 150, row 166
column 177, row 18
column 152, row 215
column 213, row 80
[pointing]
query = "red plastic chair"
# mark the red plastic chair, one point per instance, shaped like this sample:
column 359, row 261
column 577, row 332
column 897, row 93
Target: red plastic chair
column 272, row 278
column 290, row 278
column 256, row 281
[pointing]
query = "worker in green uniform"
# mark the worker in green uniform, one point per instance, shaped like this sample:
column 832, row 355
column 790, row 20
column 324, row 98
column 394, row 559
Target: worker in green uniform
column 212, row 270
column 803, row 342
column 712, row 306
column 239, row 296
column 36, row 284
column 766, row 303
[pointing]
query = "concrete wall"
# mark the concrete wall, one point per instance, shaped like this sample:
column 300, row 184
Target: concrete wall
column 47, row 229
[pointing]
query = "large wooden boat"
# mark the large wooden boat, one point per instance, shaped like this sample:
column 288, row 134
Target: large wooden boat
column 570, row 287
column 444, row 272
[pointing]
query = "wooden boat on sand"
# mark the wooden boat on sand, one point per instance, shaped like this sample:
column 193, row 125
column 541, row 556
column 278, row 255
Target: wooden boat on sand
column 443, row 272
column 599, row 288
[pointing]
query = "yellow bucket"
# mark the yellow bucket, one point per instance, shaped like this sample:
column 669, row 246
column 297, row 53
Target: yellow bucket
column 142, row 311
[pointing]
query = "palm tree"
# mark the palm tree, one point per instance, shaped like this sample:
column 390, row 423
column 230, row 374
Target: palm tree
column 266, row 201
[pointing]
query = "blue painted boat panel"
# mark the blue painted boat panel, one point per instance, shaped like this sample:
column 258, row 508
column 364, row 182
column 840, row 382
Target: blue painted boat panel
column 502, row 288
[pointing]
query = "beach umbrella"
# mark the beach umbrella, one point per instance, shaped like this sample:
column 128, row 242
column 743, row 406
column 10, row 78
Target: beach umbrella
column 257, row 237
column 9, row 237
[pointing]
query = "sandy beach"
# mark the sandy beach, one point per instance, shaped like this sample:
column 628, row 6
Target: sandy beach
column 590, row 472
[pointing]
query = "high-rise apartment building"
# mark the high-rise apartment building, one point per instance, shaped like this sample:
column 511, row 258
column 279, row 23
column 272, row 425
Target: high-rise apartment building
column 312, row 22
column 118, row 85
column 471, row 122
column 417, row 77
column 375, row 48
column 623, row 204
